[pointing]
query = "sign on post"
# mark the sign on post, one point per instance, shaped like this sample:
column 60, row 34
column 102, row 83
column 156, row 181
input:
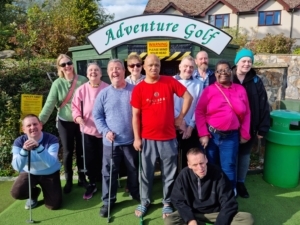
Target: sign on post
column 159, row 25
column 31, row 104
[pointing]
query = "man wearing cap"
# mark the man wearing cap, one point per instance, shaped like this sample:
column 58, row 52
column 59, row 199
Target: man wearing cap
column 244, row 74
column 205, row 75
column 202, row 194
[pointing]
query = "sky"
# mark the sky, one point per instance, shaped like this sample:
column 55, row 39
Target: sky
column 124, row 8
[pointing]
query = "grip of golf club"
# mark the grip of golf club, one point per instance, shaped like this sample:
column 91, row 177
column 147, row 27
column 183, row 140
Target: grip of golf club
column 81, row 108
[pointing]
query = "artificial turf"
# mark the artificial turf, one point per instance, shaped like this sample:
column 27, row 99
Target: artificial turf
column 269, row 206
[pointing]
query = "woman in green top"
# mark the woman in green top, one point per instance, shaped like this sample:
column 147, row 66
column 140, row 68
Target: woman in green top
column 68, row 130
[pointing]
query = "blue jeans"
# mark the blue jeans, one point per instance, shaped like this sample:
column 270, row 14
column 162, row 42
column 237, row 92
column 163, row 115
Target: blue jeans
column 244, row 160
column 130, row 156
column 222, row 150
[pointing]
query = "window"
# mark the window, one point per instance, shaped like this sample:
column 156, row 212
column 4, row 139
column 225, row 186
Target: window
column 269, row 18
column 82, row 65
column 219, row 21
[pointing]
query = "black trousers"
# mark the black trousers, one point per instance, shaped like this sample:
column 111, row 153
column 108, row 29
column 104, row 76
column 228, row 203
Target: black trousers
column 93, row 157
column 50, row 185
column 69, row 133
column 184, row 145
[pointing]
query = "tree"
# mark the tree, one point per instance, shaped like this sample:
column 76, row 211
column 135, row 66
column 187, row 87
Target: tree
column 51, row 27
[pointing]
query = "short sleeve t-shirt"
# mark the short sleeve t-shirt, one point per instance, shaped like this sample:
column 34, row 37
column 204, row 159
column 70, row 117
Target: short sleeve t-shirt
column 156, row 102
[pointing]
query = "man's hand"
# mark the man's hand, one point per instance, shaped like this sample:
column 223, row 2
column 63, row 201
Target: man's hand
column 30, row 144
column 204, row 141
column 192, row 222
column 243, row 141
column 188, row 132
column 80, row 121
column 110, row 136
column 137, row 144
column 178, row 122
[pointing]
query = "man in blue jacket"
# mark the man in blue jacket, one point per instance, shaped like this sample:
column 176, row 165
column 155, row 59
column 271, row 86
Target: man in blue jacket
column 202, row 193
column 44, row 166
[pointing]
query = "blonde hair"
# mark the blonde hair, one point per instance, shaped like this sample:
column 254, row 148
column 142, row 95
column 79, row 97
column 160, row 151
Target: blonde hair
column 132, row 56
column 60, row 72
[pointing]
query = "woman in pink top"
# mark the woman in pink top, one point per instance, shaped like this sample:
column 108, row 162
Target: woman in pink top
column 223, row 120
column 87, row 94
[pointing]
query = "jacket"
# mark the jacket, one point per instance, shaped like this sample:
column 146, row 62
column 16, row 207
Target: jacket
column 216, row 195
column 258, row 102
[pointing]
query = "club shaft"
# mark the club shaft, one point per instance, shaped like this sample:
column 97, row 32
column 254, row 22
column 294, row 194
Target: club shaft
column 110, row 176
column 29, row 184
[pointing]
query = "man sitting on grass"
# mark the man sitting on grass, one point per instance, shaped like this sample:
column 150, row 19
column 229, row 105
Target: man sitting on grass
column 203, row 194
column 44, row 166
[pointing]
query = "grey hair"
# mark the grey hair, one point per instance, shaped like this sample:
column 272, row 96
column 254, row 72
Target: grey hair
column 116, row 61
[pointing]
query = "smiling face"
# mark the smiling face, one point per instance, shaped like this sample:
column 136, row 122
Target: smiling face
column 244, row 65
column 32, row 127
column 198, row 163
column 116, row 73
column 186, row 68
column 94, row 73
column 152, row 66
column 223, row 74
column 201, row 60
column 134, row 67
column 65, row 65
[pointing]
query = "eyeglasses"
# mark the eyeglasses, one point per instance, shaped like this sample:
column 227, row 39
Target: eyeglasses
column 138, row 65
column 67, row 63
column 223, row 71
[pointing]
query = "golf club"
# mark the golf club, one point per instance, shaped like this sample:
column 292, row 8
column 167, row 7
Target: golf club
column 29, row 184
column 110, row 175
column 180, row 155
column 82, row 137
column 140, row 178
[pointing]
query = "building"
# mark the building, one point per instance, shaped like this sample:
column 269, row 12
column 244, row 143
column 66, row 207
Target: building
column 262, row 16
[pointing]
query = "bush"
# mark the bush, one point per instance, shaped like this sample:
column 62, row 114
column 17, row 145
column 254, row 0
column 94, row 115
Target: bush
column 296, row 50
column 18, row 78
column 239, row 36
column 276, row 44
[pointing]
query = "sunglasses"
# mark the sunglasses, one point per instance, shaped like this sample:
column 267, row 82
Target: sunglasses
column 138, row 65
column 223, row 71
column 67, row 63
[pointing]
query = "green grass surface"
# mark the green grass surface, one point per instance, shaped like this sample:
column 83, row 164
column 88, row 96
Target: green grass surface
column 269, row 206
column 5, row 197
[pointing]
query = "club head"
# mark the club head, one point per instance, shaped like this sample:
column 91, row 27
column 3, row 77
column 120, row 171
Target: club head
column 29, row 221
column 108, row 219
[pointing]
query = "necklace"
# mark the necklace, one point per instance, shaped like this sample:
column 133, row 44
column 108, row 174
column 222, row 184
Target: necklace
column 94, row 85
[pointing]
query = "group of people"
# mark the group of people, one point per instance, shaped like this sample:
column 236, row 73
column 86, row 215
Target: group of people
column 199, row 124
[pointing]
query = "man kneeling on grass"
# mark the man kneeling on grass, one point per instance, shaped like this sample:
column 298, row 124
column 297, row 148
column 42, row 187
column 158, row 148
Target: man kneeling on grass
column 44, row 165
column 203, row 194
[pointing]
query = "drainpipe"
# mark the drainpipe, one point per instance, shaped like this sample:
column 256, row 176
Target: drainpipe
column 292, row 23
column 237, row 24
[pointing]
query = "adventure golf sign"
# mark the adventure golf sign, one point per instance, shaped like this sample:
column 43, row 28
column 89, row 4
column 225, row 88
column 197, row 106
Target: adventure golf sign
column 159, row 25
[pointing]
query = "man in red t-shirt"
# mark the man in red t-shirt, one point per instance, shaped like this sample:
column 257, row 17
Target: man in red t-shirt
column 154, row 129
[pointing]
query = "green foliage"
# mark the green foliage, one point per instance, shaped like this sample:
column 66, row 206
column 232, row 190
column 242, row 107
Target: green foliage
column 239, row 36
column 50, row 29
column 16, row 79
column 296, row 50
column 274, row 43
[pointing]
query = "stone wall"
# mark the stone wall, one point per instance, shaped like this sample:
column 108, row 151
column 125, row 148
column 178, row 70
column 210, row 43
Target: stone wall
column 280, row 70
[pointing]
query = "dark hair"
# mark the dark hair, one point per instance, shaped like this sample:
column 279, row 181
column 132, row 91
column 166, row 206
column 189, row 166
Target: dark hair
column 195, row 151
column 30, row 115
column 222, row 61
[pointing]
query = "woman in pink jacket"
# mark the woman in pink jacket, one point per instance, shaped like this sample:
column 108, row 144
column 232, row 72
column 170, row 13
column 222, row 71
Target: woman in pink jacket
column 84, row 97
column 223, row 120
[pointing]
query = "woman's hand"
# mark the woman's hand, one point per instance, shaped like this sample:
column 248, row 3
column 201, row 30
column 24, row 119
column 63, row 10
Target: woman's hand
column 80, row 121
column 204, row 141
column 243, row 141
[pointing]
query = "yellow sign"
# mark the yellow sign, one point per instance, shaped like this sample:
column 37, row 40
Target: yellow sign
column 159, row 48
column 31, row 104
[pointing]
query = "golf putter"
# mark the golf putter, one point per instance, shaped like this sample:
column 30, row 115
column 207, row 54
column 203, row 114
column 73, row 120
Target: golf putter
column 82, row 137
column 140, row 178
column 29, row 184
column 110, row 176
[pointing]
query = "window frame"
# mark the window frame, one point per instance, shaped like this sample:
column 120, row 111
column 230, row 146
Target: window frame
column 215, row 15
column 273, row 17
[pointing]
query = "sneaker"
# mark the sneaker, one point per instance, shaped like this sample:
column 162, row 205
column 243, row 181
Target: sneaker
column 34, row 201
column 242, row 190
column 104, row 211
column 90, row 190
column 68, row 187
